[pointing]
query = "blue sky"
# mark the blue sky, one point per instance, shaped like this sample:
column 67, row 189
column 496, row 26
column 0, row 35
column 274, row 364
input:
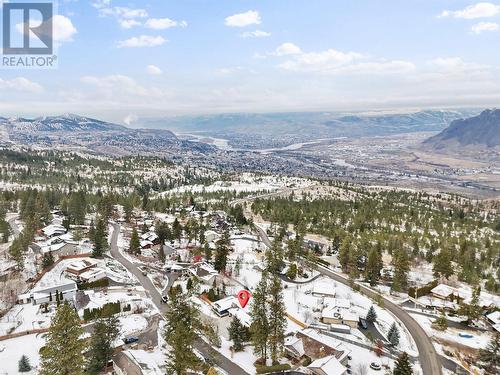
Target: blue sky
column 125, row 59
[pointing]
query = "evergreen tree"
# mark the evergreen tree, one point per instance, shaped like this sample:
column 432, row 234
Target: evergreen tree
column 134, row 246
column 221, row 252
column 63, row 352
column 401, row 268
column 442, row 263
column 393, row 335
column 24, row 364
column 100, row 238
column 345, row 253
column 105, row 332
column 371, row 316
column 373, row 266
column 259, row 313
column 472, row 311
column 489, row 357
column 441, row 323
column 274, row 256
column 403, row 365
column 181, row 330
column 277, row 318
column 238, row 333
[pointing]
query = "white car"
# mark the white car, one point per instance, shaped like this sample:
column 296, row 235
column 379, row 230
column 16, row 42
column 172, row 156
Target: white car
column 375, row 366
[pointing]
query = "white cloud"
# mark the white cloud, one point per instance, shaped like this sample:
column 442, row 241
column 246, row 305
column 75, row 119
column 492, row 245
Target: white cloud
column 125, row 16
column 63, row 29
column 456, row 65
column 287, row 49
column 128, row 24
column 109, row 86
column 255, row 34
column 153, row 70
column 252, row 17
column 479, row 10
column 142, row 41
column 480, row 27
column 332, row 61
column 163, row 23
column 20, row 84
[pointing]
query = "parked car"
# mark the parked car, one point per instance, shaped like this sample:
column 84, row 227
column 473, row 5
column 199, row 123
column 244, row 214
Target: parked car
column 362, row 323
column 164, row 299
column 375, row 366
column 130, row 339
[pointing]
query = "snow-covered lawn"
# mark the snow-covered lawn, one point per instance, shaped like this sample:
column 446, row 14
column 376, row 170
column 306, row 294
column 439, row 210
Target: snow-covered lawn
column 477, row 341
column 13, row 349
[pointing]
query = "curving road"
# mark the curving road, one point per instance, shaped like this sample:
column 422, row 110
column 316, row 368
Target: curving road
column 206, row 350
column 428, row 357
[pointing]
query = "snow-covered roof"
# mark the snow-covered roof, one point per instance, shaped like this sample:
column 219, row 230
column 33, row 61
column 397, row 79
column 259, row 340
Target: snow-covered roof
column 295, row 344
column 242, row 315
column 329, row 365
column 52, row 229
column 225, row 303
column 145, row 243
column 92, row 273
column 443, row 290
column 324, row 289
column 81, row 264
column 337, row 302
column 494, row 317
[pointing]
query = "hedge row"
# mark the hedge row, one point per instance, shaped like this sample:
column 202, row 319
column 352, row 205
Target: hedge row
column 102, row 283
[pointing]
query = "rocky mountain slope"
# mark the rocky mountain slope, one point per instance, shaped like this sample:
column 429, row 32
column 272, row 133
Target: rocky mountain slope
column 77, row 132
column 478, row 131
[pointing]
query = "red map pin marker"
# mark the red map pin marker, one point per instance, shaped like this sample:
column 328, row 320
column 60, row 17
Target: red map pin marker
column 244, row 297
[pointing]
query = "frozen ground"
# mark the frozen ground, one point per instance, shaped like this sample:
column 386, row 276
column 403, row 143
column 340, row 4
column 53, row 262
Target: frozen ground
column 15, row 348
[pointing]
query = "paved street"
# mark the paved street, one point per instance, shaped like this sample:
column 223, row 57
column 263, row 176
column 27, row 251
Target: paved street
column 206, row 350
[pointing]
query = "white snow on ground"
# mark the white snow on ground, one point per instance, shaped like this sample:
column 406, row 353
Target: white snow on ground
column 13, row 349
column 247, row 183
column 130, row 324
column 24, row 318
column 477, row 341
column 244, row 359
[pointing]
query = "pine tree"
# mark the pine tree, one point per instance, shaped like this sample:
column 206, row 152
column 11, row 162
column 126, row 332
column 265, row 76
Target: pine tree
column 403, row 365
column 105, row 332
column 134, row 246
column 472, row 311
column 274, row 256
column 63, row 352
column 100, row 238
column 441, row 323
column 181, row 330
column 344, row 253
column 277, row 318
column 371, row 316
column 490, row 356
column 221, row 252
column 238, row 334
column 401, row 268
column 373, row 266
column 259, row 312
column 442, row 263
column 24, row 364
column 393, row 335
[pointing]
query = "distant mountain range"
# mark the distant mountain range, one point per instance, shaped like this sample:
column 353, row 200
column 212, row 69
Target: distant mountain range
column 250, row 130
column 482, row 131
column 77, row 132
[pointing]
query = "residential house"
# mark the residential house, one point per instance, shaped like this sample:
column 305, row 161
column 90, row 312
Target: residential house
column 204, row 272
column 222, row 306
column 45, row 294
column 80, row 266
column 328, row 365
